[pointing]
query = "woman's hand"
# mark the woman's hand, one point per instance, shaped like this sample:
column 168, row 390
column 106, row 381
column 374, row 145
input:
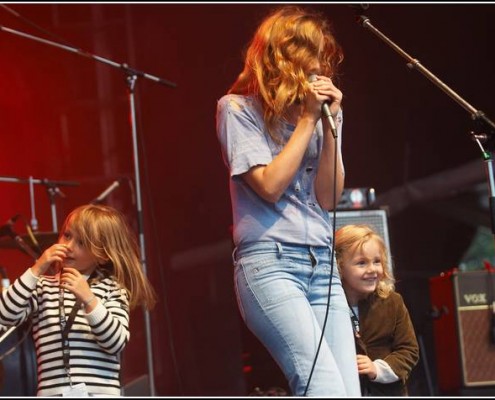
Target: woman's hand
column 324, row 90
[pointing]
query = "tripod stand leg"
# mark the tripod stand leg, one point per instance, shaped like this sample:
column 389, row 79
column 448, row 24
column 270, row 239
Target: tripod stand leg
column 425, row 365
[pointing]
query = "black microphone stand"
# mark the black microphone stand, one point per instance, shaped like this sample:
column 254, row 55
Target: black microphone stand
column 132, row 75
column 478, row 116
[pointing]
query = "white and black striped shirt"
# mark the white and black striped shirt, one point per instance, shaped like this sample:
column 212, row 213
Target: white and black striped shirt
column 95, row 338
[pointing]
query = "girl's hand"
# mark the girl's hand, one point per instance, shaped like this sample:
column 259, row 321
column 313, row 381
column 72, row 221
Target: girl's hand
column 366, row 366
column 72, row 280
column 54, row 254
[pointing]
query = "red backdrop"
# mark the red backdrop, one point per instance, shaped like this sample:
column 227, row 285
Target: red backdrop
column 65, row 117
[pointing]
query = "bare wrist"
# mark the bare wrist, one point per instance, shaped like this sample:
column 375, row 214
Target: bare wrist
column 89, row 301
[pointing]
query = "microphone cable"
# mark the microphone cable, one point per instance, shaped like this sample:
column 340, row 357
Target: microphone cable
column 332, row 264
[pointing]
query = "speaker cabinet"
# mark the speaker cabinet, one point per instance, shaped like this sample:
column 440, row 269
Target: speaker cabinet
column 18, row 375
column 375, row 218
column 462, row 327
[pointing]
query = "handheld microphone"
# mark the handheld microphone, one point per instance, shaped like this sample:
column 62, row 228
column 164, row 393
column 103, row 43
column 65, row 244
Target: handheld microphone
column 325, row 111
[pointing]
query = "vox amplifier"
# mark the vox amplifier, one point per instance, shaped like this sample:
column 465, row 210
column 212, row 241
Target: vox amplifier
column 463, row 328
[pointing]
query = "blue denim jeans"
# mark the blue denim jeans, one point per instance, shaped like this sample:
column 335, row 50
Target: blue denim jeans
column 282, row 292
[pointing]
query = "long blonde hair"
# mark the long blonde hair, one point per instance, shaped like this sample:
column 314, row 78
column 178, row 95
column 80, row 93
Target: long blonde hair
column 350, row 238
column 105, row 232
column 278, row 57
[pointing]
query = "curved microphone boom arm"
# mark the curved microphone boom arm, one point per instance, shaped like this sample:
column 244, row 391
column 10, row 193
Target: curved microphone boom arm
column 128, row 70
column 486, row 124
column 413, row 63
column 132, row 75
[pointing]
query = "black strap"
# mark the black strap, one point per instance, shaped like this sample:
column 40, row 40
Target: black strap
column 72, row 317
column 66, row 325
column 361, row 349
column 355, row 322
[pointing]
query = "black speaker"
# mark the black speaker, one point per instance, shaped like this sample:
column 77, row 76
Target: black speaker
column 18, row 376
column 375, row 218
column 462, row 308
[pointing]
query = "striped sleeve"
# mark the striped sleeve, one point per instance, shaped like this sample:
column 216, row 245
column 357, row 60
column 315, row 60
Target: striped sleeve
column 109, row 320
column 19, row 300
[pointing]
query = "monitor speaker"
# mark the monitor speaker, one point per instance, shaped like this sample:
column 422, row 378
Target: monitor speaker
column 138, row 387
column 375, row 218
column 18, row 376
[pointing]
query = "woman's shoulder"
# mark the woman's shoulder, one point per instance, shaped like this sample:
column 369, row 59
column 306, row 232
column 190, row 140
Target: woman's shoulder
column 237, row 102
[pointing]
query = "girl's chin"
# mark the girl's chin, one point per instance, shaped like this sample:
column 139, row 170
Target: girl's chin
column 369, row 289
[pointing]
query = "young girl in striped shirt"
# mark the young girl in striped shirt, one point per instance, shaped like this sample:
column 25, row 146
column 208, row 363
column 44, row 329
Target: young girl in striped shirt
column 79, row 294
